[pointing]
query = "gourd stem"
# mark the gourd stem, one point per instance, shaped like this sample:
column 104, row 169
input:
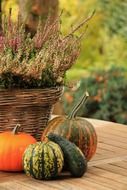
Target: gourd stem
column 77, row 107
column 16, row 129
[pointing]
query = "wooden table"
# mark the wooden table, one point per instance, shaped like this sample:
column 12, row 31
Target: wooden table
column 106, row 171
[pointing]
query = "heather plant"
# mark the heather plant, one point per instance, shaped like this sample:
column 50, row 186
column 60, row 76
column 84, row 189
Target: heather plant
column 37, row 61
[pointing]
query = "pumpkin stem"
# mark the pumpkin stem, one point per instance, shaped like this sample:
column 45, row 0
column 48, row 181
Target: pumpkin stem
column 16, row 129
column 77, row 107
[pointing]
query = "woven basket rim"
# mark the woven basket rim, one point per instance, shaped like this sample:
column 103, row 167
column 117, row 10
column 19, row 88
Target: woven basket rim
column 31, row 89
column 29, row 97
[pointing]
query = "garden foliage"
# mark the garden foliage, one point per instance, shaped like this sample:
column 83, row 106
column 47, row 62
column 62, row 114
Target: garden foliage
column 108, row 95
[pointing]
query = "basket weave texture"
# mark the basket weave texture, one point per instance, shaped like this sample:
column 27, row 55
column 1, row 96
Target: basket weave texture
column 31, row 108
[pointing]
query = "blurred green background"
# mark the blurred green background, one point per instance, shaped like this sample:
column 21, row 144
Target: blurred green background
column 101, row 68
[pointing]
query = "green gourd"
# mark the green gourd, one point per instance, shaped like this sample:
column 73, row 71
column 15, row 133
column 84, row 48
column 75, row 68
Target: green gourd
column 73, row 156
column 43, row 160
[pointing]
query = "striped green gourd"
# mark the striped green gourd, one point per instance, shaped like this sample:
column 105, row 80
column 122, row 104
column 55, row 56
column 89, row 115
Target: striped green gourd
column 43, row 160
column 76, row 129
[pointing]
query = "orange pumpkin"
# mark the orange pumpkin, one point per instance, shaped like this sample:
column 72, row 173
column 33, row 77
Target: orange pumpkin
column 12, row 147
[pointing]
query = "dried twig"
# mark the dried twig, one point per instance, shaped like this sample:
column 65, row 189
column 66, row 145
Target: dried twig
column 81, row 24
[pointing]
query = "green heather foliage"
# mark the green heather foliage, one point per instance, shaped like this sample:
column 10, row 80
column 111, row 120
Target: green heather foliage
column 108, row 95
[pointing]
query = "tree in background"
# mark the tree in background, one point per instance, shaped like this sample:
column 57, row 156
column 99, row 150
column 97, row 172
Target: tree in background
column 105, row 43
column 31, row 10
column 0, row 17
column 115, row 14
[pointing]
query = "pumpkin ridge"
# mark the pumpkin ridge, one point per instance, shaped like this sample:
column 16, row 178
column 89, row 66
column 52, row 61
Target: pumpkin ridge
column 63, row 129
column 55, row 170
column 31, row 163
column 56, row 119
column 67, row 132
column 59, row 156
column 54, row 122
column 86, row 142
column 81, row 136
column 94, row 140
column 42, row 161
column 90, row 140
column 27, row 164
column 46, row 172
column 93, row 145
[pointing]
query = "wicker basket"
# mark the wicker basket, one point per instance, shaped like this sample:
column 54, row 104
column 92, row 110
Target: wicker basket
column 29, row 107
